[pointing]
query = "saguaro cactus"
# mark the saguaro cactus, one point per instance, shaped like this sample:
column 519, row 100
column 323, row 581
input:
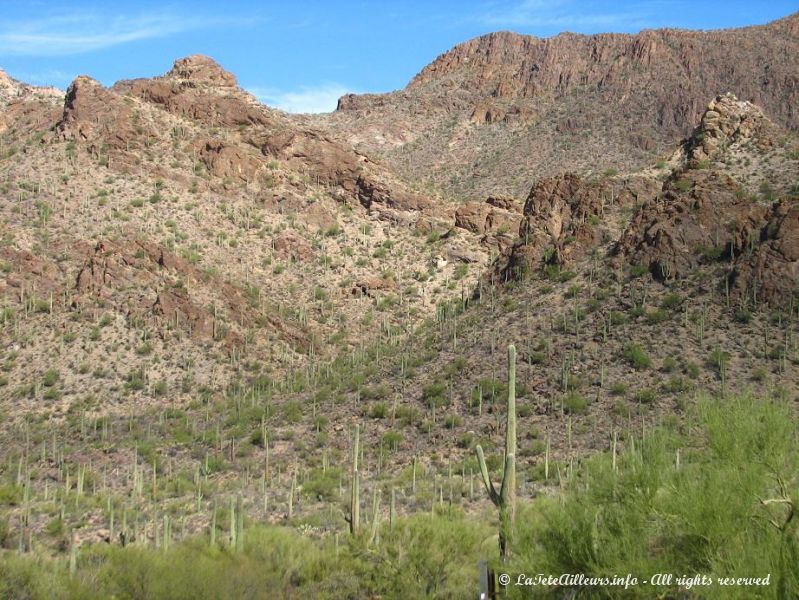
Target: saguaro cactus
column 505, row 499
column 354, row 518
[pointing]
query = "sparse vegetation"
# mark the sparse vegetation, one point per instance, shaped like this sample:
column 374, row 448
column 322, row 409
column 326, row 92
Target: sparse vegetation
column 202, row 300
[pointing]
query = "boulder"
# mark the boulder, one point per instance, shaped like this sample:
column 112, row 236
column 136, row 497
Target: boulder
column 290, row 245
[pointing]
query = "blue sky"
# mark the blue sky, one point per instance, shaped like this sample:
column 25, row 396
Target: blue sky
column 302, row 55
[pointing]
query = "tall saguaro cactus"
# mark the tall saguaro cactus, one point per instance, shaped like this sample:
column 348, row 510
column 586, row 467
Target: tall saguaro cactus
column 355, row 497
column 505, row 499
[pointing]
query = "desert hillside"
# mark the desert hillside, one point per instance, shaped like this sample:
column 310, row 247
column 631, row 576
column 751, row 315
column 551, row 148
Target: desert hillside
column 250, row 338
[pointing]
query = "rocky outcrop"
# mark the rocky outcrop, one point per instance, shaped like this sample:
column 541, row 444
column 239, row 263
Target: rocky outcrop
column 591, row 102
column 199, row 89
column 198, row 69
column 486, row 112
column 505, row 203
column 495, row 215
column 472, row 217
column 27, row 275
column 563, row 219
column 330, row 163
column 369, row 287
column 702, row 219
column 379, row 195
column 96, row 115
column 290, row 245
column 150, row 285
column 241, row 141
column 726, row 122
column 767, row 264
column 699, row 217
column 229, row 161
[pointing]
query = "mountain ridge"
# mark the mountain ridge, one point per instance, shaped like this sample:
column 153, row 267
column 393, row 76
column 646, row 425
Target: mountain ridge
column 594, row 101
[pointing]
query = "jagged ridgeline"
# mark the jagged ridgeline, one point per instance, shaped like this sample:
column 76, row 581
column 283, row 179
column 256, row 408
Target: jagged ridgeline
column 246, row 354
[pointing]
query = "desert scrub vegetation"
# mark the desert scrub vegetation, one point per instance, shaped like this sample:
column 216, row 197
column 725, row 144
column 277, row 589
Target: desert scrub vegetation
column 423, row 556
column 713, row 495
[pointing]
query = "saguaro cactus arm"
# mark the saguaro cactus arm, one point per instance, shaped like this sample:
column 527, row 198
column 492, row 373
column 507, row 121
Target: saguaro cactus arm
column 492, row 492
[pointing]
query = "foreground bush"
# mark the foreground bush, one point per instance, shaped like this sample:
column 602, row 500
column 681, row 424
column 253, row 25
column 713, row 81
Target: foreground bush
column 424, row 556
column 702, row 513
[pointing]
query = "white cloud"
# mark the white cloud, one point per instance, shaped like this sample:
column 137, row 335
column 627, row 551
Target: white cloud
column 553, row 13
column 322, row 98
column 79, row 33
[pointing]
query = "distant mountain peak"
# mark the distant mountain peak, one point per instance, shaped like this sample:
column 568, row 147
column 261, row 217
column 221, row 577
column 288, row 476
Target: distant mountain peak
column 11, row 90
column 201, row 69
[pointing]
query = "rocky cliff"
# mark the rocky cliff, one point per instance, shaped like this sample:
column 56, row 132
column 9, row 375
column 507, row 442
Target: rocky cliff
column 482, row 115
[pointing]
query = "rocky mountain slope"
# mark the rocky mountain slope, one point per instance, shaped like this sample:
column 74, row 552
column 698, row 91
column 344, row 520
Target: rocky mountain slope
column 484, row 115
column 205, row 294
column 177, row 216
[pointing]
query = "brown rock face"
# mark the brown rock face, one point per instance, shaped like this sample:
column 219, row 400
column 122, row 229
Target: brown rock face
column 368, row 287
column 472, row 217
column 146, row 282
column 505, row 203
column 677, row 69
column 491, row 112
column 92, row 112
column 767, row 268
column 563, row 219
column 592, row 102
column 375, row 194
column 230, row 161
column 198, row 89
column 495, row 215
column 703, row 215
column 702, row 219
column 28, row 274
column 697, row 219
column 202, row 97
column 330, row 162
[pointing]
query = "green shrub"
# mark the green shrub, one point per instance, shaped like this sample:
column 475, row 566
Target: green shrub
column 618, row 389
column 50, row 378
column 322, row 485
column 452, row 421
column 434, row 394
column 707, row 516
column 617, row 318
column 392, row 440
column 672, row 301
column 657, row 316
column 292, row 411
column 378, row 410
column 636, row 357
column 645, row 396
column 574, row 403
